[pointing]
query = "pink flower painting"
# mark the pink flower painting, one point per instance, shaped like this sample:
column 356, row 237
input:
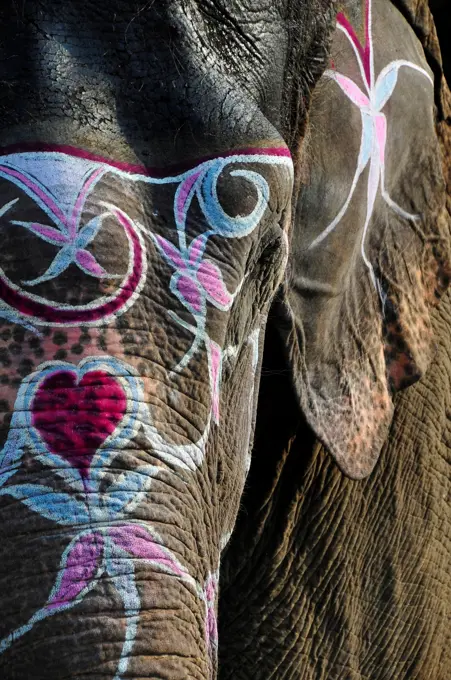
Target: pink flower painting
column 370, row 100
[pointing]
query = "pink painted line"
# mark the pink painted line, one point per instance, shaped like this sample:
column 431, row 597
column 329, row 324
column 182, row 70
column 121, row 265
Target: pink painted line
column 368, row 43
column 81, row 200
column 37, row 190
column 367, row 23
column 184, row 191
column 364, row 52
column 157, row 173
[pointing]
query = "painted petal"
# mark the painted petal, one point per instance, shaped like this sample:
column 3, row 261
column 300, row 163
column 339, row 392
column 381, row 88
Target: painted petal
column 380, row 123
column 211, row 628
column 189, row 292
column 183, row 198
column 197, row 248
column 5, row 475
column 215, row 370
column 351, row 90
column 366, row 146
column 49, row 234
column 373, row 183
column 139, row 542
column 384, row 87
column 93, row 176
column 88, row 232
column 57, row 507
column 61, row 262
column 171, row 252
column 210, row 277
column 374, row 178
column 36, row 191
column 88, row 263
column 79, row 567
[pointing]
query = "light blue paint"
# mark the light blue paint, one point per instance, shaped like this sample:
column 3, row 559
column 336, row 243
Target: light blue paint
column 55, row 506
column 384, row 88
column 121, row 569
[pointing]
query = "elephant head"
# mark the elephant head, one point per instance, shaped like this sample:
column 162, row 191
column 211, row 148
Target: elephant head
column 153, row 174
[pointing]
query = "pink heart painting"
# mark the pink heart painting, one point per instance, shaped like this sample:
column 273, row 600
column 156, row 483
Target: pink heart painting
column 75, row 417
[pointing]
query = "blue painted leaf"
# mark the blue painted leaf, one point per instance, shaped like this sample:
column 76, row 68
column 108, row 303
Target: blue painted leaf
column 88, row 232
column 12, row 452
column 14, row 317
column 61, row 262
column 128, row 489
column 384, row 87
column 55, row 506
column 366, row 147
column 6, row 474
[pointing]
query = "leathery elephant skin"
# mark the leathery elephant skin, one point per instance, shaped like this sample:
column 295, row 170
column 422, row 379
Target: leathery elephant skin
column 145, row 189
column 154, row 183
column 325, row 578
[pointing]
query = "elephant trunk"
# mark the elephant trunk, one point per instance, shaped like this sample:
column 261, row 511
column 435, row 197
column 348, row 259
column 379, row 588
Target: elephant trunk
column 109, row 575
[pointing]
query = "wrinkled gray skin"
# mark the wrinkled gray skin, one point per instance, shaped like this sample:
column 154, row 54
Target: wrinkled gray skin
column 318, row 579
column 325, row 577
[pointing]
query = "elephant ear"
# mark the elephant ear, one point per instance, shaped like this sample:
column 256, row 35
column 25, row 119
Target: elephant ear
column 370, row 238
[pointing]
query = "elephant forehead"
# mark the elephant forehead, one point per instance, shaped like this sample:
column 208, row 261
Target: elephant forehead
column 89, row 244
column 71, row 208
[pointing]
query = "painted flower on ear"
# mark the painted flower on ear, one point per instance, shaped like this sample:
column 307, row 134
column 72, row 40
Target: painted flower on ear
column 373, row 141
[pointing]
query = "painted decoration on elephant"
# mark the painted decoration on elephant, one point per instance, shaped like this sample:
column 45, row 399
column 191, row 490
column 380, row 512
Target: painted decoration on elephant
column 59, row 188
column 76, row 420
column 210, row 596
column 370, row 102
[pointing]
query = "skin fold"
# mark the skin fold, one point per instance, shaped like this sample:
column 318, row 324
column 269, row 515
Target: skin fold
column 178, row 220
